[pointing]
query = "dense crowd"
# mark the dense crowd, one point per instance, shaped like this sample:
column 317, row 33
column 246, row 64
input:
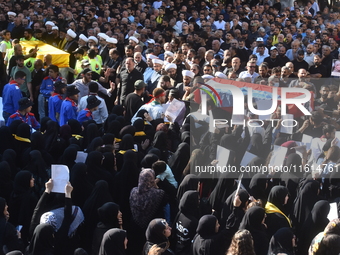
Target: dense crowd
column 133, row 182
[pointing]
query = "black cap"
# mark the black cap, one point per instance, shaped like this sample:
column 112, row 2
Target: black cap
column 80, row 51
column 24, row 103
column 59, row 85
column 86, row 70
column 72, row 90
column 92, row 102
column 244, row 32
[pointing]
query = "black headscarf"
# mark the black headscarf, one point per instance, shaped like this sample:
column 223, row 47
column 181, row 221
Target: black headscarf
column 222, row 190
column 108, row 138
column 189, row 204
column 257, row 187
column 131, row 130
column 114, row 128
column 125, row 180
column 6, row 183
column 113, row 242
column 14, row 126
column 109, row 119
column 148, row 160
column 95, row 171
column 90, row 132
column 179, row 160
column 277, row 196
column 257, row 147
column 82, row 188
column 334, row 187
column 109, row 162
column 281, row 242
column 118, row 110
column 43, row 123
column 228, row 204
column 127, row 142
column 42, row 241
column 160, row 142
column 154, row 232
column 304, row 202
column 38, row 143
column 229, row 142
column 315, row 223
column 69, row 156
column 99, row 196
column 95, row 143
column 190, row 182
column 23, row 131
column 252, row 221
column 51, row 134
column 65, row 132
column 6, row 139
column 9, row 156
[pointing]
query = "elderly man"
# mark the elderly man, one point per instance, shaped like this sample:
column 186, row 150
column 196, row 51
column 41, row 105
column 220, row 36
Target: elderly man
column 127, row 79
column 70, row 47
column 301, row 80
column 140, row 64
column 235, row 67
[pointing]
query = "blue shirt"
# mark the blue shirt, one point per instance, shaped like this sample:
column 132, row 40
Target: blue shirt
column 54, row 106
column 10, row 98
column 47, row 86
column 84, row 115
column 147, row 74
column 68, row 111
column 28, row 118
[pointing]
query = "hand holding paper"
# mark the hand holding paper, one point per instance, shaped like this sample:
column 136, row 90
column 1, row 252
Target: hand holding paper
column 60, row 176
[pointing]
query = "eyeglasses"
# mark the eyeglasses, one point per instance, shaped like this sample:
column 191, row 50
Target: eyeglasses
column 252, row 66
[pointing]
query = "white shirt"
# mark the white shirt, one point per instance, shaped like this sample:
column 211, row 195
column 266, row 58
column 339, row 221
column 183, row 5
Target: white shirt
column 100, row 115
column 220, row 25
column 309, row 58
column 243, row 75
column 155, row 111
column 260, row 58
column 157, row 4
column 179, row 24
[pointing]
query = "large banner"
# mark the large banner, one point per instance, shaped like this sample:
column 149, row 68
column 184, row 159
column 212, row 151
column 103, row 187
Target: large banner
column 59, row 58
column 224, row 99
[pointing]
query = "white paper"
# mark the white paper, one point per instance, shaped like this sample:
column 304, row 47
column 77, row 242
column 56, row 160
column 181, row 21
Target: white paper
column 333, row 212
column 174, row 109
column 289, row 129
column 60, row 176
column 222, row 156
column 278, row 156
column 239, row 183
column 307, row 140
column 81, row 157
column 247, row 158
column 135, row 146
column 264, row 105
column 337, row 134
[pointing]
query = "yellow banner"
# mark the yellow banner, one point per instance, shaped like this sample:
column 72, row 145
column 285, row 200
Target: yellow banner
column 59, row 58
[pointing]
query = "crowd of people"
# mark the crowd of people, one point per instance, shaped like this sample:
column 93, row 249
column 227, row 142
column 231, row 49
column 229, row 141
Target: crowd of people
column 137, row 190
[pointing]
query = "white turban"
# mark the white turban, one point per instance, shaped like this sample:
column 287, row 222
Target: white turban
column 221, row 75
column 111, row 40
column 188, row 73
column 84, row 38
column 49, row 23
column 157, row 61
column 169, row 66
column 94, row 39
column 71, row 33
column 11, row 14
column 134, row 39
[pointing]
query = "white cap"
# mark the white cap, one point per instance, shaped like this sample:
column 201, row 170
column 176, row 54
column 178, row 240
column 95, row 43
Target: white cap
column 169, row 53
column 151, row 56
column 55, row 28
column 111, row 40
column 207, row 76
column 188, row 73
column 273, row 48
column 49, row 23
column 259, row 39
column 94, row 39
column 102, row 35
column 152, row 41
column 169, row 66
column 11, row 14
column 165, row 62
column 157, row 61
column 221, row 75
column 71, row 33
column 134, row 39
column 84, row 38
